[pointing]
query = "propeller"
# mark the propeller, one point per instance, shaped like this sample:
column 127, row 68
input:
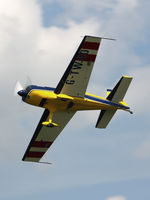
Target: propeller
column 17, row 88
column 21, row 90
column 28, row 82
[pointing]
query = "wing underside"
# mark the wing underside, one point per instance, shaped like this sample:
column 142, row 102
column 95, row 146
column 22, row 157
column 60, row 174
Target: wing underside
column 76, row 77
column 44, row 137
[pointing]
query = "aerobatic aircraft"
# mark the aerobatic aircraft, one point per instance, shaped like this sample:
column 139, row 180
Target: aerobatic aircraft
column 61, row 103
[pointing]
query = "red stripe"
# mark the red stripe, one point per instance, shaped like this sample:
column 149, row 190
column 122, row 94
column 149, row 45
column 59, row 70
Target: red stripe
column 34, row 154
column 41, row 144
column 90, row 45
column 86, row 57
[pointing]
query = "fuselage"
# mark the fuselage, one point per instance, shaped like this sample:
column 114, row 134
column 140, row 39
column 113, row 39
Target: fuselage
column 46, row 98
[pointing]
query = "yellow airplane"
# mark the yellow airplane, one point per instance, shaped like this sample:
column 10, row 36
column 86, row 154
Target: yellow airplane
column 62, row 102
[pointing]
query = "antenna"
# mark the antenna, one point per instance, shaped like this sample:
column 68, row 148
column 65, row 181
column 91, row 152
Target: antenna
column 45, row 163
column 41, row 162
column 108, row 38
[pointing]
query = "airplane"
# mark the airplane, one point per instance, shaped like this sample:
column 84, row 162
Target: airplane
column 61, row 103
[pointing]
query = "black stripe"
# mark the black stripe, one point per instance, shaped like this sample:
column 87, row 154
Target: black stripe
column 43, row 118
column 111, row 95
column 36, row 87
column 64, row 77
column 43, row 101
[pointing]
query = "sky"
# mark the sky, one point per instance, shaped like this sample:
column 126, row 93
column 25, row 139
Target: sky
column 38, row 38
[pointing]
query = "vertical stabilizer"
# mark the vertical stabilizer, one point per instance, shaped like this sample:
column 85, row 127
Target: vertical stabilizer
column 119, row 91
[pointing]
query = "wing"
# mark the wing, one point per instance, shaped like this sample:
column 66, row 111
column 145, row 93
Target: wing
column 76, row 77
column 44, row 136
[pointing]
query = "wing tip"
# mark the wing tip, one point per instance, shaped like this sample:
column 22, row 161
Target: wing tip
column 104, row 38
column 129, row 77
column 41, row 162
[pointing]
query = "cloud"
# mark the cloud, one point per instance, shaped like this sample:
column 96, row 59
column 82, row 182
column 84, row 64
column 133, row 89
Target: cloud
column 116, row 198
column 33, row 49
column 142, row 150
column 126, row 5
column 43, row 53
column 137, row 94
column 28, row 48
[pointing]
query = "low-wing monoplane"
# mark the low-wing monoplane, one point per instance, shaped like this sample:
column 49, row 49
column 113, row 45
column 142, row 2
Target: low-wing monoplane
column 70, row 96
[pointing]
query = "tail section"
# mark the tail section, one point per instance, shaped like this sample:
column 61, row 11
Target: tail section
column 116, row 95
column 119, row 91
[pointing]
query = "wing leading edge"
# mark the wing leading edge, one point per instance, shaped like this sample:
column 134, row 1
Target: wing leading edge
column 44, row 137
column 76, row 77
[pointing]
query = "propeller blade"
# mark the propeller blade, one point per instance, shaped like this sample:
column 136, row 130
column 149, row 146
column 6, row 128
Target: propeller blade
column 17, row 88
column 28, row 81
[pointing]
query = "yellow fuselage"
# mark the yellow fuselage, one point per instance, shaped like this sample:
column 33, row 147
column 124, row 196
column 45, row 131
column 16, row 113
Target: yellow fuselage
column 50, row 100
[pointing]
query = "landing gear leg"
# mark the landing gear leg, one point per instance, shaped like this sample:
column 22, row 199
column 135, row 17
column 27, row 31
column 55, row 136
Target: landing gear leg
column 49, row 123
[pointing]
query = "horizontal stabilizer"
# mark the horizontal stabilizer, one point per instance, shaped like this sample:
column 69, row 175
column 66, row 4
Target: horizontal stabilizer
column 119, row 91
column 104, row 118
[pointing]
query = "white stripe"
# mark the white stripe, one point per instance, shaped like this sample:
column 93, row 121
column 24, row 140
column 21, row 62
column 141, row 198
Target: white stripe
column 93, row 39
